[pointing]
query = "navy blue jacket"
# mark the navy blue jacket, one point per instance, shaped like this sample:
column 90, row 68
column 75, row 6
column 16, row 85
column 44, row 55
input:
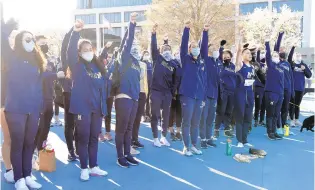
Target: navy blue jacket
column 263, row 66
column 130, row 80
column 275, row 76
column 88, row 92
column 66, row 82
column 163, row 70
column 193, row 83
column 177, row 77
column 48, row 83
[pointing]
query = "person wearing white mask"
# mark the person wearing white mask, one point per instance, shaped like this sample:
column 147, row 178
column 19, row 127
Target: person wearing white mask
column 87, row 101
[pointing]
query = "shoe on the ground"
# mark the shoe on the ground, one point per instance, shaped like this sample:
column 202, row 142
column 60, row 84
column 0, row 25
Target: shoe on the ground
column 210, row 143
column 164, row 141
column 9, row 176
column 278, row 137
column 96, row 171
column 178, row 136
column 213, row 138
column 101, row 137
column 147, row 119
column 21, row 185
column 216, row 134
column 137, row 144
column 248, row 144
column 203, row 144
column 195, row 150
column 130, row 159
column 271, row 136
column 187, row 152
column 122, row 162
column 85, row 174
column 72, row 157
column 134, row 151
column 280, row 131
column 108, row 136
column 57, row 122
column 257, row 152
column 173, row 137
column 298, row 123
column 292, row 123
column 31, row 183
column 261, row 123
column 240, row 145
column 228, row 133
column 156, row 142
column 256, row 123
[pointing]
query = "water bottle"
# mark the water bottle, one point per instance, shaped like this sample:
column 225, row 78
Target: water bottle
column 286, row 130
column 229, row 147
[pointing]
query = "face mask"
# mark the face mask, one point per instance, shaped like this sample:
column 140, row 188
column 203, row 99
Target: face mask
column 87, row 56
column 167, row 55
column 146, row 57
column 282, row 55
column 135, row 52
column 275, row 59
column 215, row 54
column 262, row 56
column 29, row 47
column 227, row 61
column 298, row 59
column 44, row 48
column 195, row 51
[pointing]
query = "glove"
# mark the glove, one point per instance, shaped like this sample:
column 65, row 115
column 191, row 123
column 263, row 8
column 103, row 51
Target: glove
column 60, row 74
column 223, row 42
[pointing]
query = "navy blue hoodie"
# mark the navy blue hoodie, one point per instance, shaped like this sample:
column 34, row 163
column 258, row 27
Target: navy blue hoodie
column 48, row 83
column 66, row 83
column 194, row 78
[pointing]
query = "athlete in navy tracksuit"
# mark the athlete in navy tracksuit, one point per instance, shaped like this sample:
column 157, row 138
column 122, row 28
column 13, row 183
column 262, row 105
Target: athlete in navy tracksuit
column 88, row 100
column 146, row 59
column 274, row 90
column 126, row 100
column 192, row 90
column 208, row 113
column 25, row 71
column 161, row 88
column 300, row 71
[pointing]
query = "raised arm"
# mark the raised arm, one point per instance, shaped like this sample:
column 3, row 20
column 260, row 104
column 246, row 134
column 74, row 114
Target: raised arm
column 204, row 42
column 123, row 41
column 278, row 43
column 222, row 43
column 154, row 49
column 130, row 36
column 238, row 62
column 104, row 53
column 64, row 47
column 185, row 40
column 72, row 51
column 290, row 56
column 165, row 39
column 268, row 54
column 258, row 55
column 6, row 50
column 307, row 71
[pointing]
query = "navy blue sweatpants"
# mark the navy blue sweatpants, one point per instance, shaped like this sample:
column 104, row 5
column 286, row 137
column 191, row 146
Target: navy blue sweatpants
column 126, row 110
column 44, row 124
column 273, row 107
column 88, row 128
column 140, row 112
column 207, row 118
column 224, row 110
column 284, row 109
column 108, row 118
column 160, row 101
column 259, row 95
column 23, row 129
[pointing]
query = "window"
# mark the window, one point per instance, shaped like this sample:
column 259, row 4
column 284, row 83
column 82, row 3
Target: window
column 111, row 17
column 250, row 7
column 113, row 31
column 87, row 19
column 112, row 34
column 141, row 16
column 84, row 4
column 295, row 5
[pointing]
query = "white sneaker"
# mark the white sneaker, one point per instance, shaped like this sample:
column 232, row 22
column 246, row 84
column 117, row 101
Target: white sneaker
column 164, row 141
column 187, row 152
column 21, row 185
column 96, row 171
column 298, row 123
column 292, row 123
column 280, row 131
column 156, row 142
column 134, row 151
column 248, row 144
column 213, row 138
column 85, row 175
column 9, row 176
column 31, row 183
column 195, row 150
column 240, row 145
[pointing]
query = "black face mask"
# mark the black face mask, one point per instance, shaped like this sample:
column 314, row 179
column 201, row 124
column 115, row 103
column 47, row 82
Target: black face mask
column 282, row 55
column 44, row 48
column 263, row 60
column 226, row 61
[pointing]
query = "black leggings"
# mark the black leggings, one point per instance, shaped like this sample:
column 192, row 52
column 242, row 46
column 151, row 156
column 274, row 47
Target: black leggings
column 56, row 110
column 44, row 125
column 108, row 118
column 69, row 124
column 295, row 105
column 140, row 111
column 176, row 113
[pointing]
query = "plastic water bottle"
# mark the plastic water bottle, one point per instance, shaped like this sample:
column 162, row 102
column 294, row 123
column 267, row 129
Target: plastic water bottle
column 229, row 147
column 286, row 130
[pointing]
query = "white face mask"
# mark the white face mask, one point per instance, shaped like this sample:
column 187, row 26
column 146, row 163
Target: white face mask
column 262, row 56
column 87, row 56
column 146, row 57
column 215, row 54
column 298, row 59
column 276, row 59
column 167, row 55
column 29, row 47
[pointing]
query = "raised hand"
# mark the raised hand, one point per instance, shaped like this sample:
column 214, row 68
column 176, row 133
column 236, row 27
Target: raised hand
column 108, row 44
column 12, row 24
column 60, row 74
column 154, row 28
column 165, row 37
column 188, row 24
column 302, row 67
column 206, row 27
column 133, row 17
column 78, row 26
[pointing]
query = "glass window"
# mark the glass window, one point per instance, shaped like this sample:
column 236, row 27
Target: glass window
column 85, row 4
column 112, row 34
column 250, row 7
column 141, row 16
column 89, row 34
column 87, row 19
column 111, row 17
column 295, row 5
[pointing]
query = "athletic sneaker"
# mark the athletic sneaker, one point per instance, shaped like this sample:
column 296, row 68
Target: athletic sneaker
column 122, row 162
column 248, row 144
column 72, row 157
column 101, row 137
column 228, row 133
column 85, row 174
column 256, row 123
column 178, row 136
column 203, row 144
column 292, row 123
column 261, row 123
column 156, row 142
column 210, row 143
column 31, row 183
column 278, row 137
column 173, row 137
column 9, row 176
column 21, row 185
column 195, row 150
column 298, row 123
column 213, row 138
column 164, row 141
column 131, row 160
column 96, row 171
column 280, row 131
column 137, row 144
column 216, row 134
column 187, row 152
column 240, row 145
column 147, row 119
column 271, row 136
column 134, row 151
column 108, row 136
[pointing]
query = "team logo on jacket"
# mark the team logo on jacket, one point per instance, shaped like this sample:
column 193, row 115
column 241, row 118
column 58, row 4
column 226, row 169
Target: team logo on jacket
column 79, row 117
column 271, row 103
column 202, row 104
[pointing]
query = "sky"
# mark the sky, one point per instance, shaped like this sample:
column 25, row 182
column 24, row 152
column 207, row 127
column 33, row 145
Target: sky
column 40, row 15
